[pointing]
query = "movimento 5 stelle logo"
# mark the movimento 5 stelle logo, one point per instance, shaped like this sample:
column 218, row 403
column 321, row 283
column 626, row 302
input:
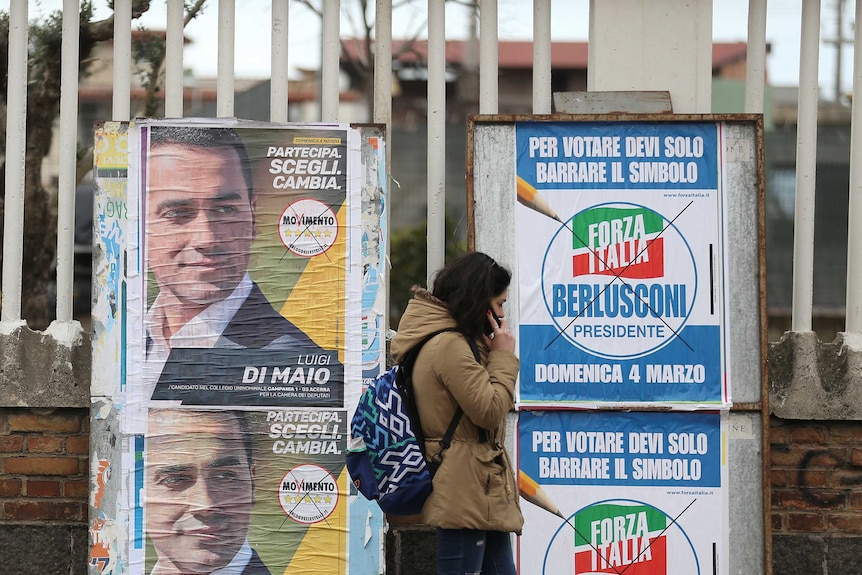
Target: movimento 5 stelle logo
column 619, row 280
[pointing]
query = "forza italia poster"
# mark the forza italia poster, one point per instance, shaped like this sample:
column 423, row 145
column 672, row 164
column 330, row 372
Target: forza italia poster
column 620, row 235
column 636, row 493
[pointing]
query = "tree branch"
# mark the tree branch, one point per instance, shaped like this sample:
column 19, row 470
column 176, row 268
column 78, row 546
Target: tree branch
column 104, row 29
column 193, row 11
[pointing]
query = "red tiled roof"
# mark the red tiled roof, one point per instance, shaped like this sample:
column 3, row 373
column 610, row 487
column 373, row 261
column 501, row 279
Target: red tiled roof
column 510, row 54
column 519, row 54
column 724, row 53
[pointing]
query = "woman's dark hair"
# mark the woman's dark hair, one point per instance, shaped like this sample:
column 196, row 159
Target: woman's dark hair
column 467, row 285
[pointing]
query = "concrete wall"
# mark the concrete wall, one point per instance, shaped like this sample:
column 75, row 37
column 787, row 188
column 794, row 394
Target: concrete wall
column 816, row 455
column 44, row 447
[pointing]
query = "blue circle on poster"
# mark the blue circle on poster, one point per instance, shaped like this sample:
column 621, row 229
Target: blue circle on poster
column 619, row 280
column 623, row 535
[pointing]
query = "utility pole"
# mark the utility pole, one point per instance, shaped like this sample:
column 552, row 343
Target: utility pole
column 839, row 40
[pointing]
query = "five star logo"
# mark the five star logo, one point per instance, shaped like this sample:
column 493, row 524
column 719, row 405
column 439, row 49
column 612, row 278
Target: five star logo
column 308, row 493
column 308, row 227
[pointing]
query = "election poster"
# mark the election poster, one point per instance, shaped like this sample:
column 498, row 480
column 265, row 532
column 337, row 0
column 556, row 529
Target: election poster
column 110, row 178
column 366, row 522
column 244, row 264
column 375, row 217
column 249, row 312
column 620, row 234
column 259, row 492
column 622, row 492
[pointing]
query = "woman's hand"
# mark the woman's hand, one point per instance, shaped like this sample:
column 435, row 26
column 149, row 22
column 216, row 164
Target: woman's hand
column 501, row 338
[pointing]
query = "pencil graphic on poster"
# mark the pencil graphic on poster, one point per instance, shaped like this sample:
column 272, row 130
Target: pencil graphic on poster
column 528, row 196
column 531, row 491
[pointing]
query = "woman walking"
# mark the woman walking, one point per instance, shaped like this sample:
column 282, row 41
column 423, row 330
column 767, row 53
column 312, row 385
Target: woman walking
column 474, row 504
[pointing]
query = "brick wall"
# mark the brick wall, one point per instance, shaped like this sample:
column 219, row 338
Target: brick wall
column 816, row 481
column 44, row 489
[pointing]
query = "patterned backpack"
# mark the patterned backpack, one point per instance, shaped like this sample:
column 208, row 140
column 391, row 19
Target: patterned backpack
column 386, row 451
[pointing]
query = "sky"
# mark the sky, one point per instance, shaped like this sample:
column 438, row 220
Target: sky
column 569, row 22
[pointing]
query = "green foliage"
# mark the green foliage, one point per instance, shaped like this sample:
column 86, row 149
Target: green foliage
column 407, row 253
column 148, row 52
column 46, row 38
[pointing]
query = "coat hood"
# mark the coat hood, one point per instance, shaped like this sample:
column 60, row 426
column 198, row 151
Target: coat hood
column 425, row 314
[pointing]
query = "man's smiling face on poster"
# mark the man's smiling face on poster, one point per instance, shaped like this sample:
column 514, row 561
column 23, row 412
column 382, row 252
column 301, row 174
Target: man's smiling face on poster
column 200, row 215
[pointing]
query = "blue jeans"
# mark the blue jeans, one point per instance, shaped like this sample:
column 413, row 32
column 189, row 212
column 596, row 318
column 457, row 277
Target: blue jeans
column 471, row 552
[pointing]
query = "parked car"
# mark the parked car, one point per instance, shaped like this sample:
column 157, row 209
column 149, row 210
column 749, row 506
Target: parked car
column 83, row 256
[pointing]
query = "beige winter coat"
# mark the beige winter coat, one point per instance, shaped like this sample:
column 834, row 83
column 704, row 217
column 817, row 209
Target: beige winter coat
column 475, row 486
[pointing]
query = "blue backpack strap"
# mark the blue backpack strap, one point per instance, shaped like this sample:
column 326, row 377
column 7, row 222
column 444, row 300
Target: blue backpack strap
column 436, row 459
column 405, row 386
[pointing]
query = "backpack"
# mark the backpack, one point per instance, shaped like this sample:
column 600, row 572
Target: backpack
column 386, row 451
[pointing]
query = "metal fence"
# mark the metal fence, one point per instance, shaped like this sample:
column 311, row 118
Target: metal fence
column 803, row 250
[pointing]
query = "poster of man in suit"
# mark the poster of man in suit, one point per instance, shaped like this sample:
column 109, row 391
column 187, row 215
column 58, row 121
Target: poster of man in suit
column 245, row 249
column 244, row 316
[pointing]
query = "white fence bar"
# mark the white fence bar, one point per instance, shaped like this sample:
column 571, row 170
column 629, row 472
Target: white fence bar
column 488, row 58
column 755, row 57
column 226, row 39
column 174, row 60
column 383, row 64
column 436, row 136
column 329, row 70
column 278, row 90
column 542, row 57
column 68, row 158
column 853, row 321
column 121, row 99
column 16, row 140
column 806, row 165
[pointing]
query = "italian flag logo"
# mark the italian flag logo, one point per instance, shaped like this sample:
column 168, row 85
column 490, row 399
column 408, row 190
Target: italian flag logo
column 622, row 538
column 618, row 241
